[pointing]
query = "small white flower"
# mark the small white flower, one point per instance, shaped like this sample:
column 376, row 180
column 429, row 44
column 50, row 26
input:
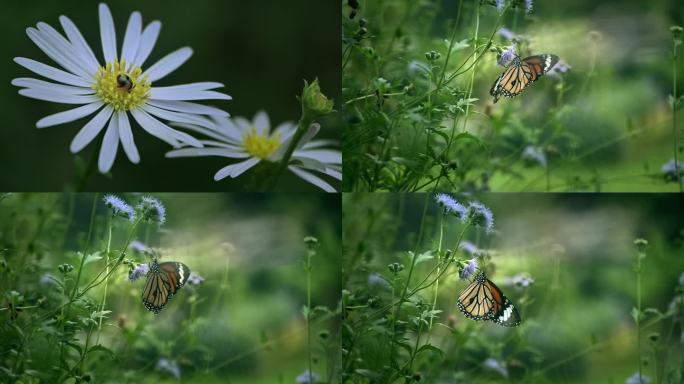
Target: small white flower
column 117, row 88
column 254, row 141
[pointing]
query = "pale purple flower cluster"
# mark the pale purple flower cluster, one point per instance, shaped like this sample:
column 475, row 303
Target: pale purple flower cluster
column 308, row 378
column 468, row 270
column 637, row 379
column 495, row 366
column 452, row 206
column 672, row 170
column 535, row 154
column 169, row 366
column 560, row 69
column 119, row 207
column 469, row 248
column 500, row 5
column 506, row 34
column 139, row 272
column 195, row 279
column 481, row 216
column 506, row 56
column 528, row 6
column 153, row 209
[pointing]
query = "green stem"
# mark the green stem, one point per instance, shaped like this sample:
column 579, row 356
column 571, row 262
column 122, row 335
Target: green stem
column 308, row 307
column 472, row 76
column 304, row 122
column 104, row 294
column 638, row 317
column 439, row 260
column 674, row 115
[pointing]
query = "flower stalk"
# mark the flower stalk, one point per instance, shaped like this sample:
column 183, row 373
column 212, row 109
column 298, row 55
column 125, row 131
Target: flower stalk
column 314, row 104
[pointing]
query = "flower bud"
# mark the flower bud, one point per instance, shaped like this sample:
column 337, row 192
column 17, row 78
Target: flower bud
column 314, row 101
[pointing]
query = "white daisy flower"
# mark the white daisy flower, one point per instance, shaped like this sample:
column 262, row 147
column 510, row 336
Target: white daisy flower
column 254, row 141
column 117, row 88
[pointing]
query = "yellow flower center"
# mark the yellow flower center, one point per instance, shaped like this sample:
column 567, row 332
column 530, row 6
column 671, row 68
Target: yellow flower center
column 121, row 86
column 261, row 146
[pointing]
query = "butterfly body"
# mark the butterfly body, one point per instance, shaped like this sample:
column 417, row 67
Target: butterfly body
column 521, row 73
column 483, row 300
column 163, row 281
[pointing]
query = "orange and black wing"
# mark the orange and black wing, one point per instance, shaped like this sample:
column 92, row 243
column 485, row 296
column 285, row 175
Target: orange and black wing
column 163, row 281
column 476, row 301
column 503, row 311
column 520, row 74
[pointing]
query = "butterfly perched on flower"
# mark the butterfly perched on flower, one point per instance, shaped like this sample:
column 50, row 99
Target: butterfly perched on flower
column 483, row 300
column 521, row 73
column 163, row 281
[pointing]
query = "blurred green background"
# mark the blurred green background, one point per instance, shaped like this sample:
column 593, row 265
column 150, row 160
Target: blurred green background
column 610, row 131
column 243, row 324
column 578, row 249
column 261, row 50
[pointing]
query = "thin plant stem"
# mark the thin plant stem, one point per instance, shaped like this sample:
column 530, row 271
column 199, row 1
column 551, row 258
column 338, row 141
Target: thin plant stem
column 675, row 143
column 439, row 260
column 472, row 75
column 304, row 122
column 104, row 294
column 308, row 309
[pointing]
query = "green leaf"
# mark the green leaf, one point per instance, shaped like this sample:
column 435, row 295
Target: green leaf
column 431, row 348
column 101, row 348
column 459, row 45
column 424, row 257
column 635, row 315
column 368, row 373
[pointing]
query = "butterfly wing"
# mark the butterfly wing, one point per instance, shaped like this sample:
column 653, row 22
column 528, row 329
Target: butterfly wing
column 503, row 311
column 522, row 73
column 476, row 301
column 483, row 300
column 163, row 281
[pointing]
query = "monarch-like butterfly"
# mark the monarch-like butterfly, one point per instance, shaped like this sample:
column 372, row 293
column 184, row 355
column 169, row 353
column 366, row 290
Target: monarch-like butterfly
column 163, row 281
column 483, row 300
column 521, row 73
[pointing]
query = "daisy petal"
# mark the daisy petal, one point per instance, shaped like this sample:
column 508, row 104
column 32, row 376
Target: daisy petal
column 235, row 170
column 286, row 139
column 147, row 41
column 47, row 86
column 178, row 93
column 154, row 127
column 51, row 72
column 195, row 152
column 323, row 155
column 176, row 117
column 58, row 97
column 132, row 38
column 309, row 163
column 126, row 136
column 68, row 116
column 91, row 130
column 308, row 177
column 79, row 43
column 107, row 34
column 334, row 173
column 310, row 133
column 183, row 106
column 59, row 49
column 261, row 123
column 110, row 145
column 168, row 64
column 158, row 126
column 215, row 134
